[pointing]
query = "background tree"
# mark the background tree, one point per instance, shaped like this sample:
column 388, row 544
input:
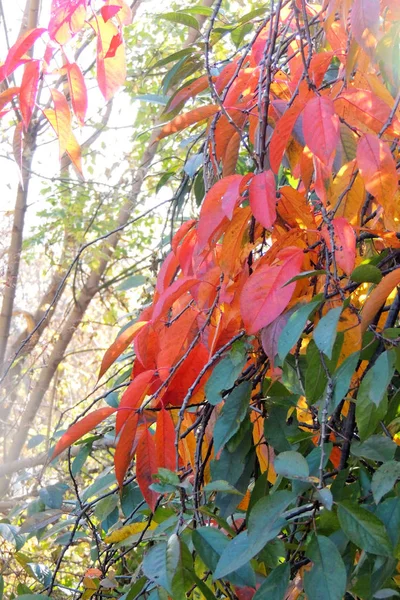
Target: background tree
column 255, row 442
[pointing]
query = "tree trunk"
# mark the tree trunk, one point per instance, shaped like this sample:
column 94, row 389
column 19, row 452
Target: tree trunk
column 14, row 254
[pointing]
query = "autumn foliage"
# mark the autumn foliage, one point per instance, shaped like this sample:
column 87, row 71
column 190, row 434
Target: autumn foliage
column 267, row 362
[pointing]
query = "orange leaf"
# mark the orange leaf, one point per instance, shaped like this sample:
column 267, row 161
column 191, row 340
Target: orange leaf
column 263, row 297
column 146, row 466
column 123, row 450
column 377, row 298
column 377, row 168
column 218, row 205
column 78, row 91
column 321, row 127
column 8, row 95
column 345, row 243
column 230, row 157
column 189, row 91
column 79, row 429
column 365, row 23
column 182, row 121
column 165, row 441
column 232, row 244
column 120, row 344
column 262, row 194
column 29, row 86
column 362, row 108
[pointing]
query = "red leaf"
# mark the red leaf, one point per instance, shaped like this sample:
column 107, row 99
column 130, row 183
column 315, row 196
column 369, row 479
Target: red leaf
column 171, row 294
column 123, row 450
column 114, row 45
column 321, row 127
column 132, row 397
column 165, row 441
column 108, row 12
column 345, row 243
column 189, row 91
column 120, row 344
column 182, row 121
column 111, row 67
column 262, row 194
column 281, row 135
column 78, row 91
column 29, row 86
column 79, row 429
column 263, row 297
column 365, row 23
column 377, row 168
column 180, row 234
column 146, row 466
column 167, row 272
column 17, row 51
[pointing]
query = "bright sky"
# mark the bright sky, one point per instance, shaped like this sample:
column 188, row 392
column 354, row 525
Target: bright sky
column 117, row 141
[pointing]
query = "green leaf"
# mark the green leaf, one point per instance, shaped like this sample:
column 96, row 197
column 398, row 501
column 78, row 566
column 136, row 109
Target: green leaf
column 221, row 486
column 368, row 415
column 105, row 507
column 377, row 447
column 305, row 274
column 179, row 565
column 232, row 414
column 388, row 512
column 366, row 273
column 40, row 520
column 224, row 376
column 326, row 330
column 265, row 522
column 384, row 478
column 291, row 465
column 294, row 328
column 386, row 593
column 210, row 543
column 181, row 19
column 327, row 578
column 375, row 383
column 80, row 459
column 342, row 379
column 274, row 587
column 53, row 495
column 325, row 497
column 33, row 597
column 154, row 565
column 153, row 99
column 1, row 587
column 172, row 57
column 132, row 282
column 364, row 529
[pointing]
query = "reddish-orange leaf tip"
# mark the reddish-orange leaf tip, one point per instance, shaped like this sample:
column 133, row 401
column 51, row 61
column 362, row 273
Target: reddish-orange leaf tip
column 79, row 429
column 120, row 344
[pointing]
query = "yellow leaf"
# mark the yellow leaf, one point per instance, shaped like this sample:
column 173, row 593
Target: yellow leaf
column 124, row 532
